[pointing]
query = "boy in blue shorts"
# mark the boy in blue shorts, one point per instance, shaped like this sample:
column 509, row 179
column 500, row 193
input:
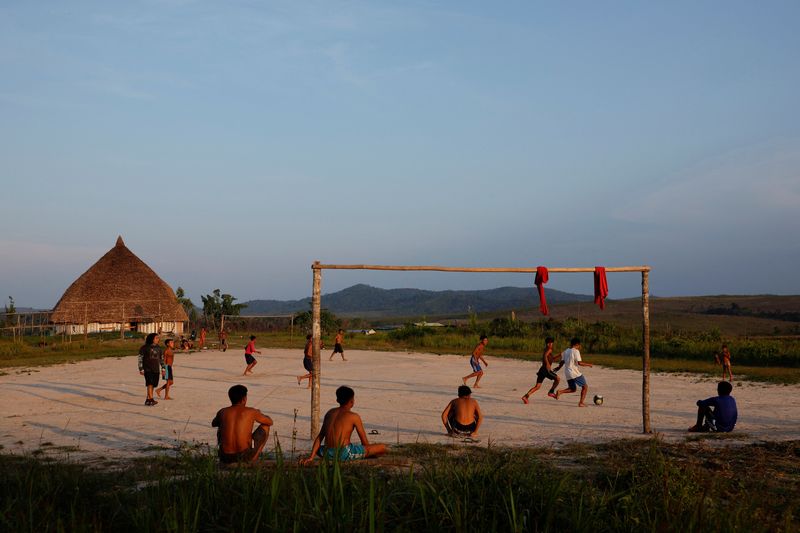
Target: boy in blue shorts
column 475, row 362
column 571, row 359
column 337, row 427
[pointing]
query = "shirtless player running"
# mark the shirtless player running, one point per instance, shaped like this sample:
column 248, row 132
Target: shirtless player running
column 475, row 362
column 337, row 429
column 546, row 371
column 235, row 423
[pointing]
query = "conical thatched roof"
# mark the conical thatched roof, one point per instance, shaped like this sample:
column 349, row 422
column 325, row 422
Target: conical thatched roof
column 119, row 287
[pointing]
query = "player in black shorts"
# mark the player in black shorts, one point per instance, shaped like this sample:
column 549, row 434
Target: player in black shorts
column 308, row 362
column 546, row 371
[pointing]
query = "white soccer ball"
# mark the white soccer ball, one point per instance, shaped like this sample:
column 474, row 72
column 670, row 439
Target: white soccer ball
column 598, row 400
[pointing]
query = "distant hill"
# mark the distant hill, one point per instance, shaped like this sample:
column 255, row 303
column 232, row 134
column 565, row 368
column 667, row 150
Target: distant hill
column 366, row 301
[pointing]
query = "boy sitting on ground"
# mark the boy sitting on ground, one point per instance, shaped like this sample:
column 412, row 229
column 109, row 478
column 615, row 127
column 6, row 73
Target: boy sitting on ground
column 235, row 423
column 337, row 427
column 462, row 417
column 718, row 413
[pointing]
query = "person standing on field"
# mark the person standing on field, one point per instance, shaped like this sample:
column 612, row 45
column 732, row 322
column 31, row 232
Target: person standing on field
column 475, row 362
column 166, row 371
column 724, row 358
column 151, row 361
column 337, row 345
column 571, row 357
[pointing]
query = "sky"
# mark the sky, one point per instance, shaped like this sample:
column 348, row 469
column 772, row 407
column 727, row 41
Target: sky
column 232, row 144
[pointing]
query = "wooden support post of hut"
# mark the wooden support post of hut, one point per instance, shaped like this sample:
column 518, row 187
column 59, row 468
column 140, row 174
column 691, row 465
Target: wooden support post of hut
column 318, row 267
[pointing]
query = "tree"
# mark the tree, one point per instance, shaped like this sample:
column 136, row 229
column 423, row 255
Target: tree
column 328, row 322
column 217, row 304
column 187, row 304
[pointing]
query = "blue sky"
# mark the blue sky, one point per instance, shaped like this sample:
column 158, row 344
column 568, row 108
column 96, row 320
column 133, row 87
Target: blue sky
column 233, row 143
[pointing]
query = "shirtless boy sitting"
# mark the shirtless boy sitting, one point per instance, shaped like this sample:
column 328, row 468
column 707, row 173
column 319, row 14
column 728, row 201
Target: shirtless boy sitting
column 236, row 443
column 337, row 427
column 462, row 416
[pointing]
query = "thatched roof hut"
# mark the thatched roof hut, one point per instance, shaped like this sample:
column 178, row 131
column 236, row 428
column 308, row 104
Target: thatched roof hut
column 120, row 289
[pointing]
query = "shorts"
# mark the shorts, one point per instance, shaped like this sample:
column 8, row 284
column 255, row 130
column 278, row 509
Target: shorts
column 308, row 364
column 249, row 359
column 338, row 348
column 151, row 378
column 476, row 366
column 580, row 381
column 543, row 374
column 350, row 452
column 455, row 427
column 244, row 456
column 168, row 375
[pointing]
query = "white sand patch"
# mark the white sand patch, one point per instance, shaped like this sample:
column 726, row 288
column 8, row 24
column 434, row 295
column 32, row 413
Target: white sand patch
column 98, row 406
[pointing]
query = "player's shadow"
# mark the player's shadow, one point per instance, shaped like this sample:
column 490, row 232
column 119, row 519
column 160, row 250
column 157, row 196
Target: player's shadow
column 71, row 390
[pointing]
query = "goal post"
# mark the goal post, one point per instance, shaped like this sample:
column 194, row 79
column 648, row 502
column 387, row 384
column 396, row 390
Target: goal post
column 316, row 331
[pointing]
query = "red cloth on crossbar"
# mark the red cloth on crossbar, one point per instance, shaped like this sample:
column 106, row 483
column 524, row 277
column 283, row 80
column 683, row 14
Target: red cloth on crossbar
column 600, row 286
column 541, row 278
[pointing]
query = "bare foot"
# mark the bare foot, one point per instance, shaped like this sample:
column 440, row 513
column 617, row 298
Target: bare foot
column 464, row 380
column 158, row 393
column 476, row 386
column 343, row 359
column 167, row 397
column 525, row 400
column 581, row 404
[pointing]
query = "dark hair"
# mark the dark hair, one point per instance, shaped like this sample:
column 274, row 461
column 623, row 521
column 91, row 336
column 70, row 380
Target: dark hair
column 574, row 342
column 344, row 394
column 308, row 336
column 484, row 337
column 724, row 345
column 151, row 338
column 252, row 337
column 167, row 341
column 237, row 393
column 548, row 340
column 724, row 388
column 464, row 391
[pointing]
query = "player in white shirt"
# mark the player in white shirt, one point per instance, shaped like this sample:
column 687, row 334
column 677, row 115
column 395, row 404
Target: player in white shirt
column 571, row 359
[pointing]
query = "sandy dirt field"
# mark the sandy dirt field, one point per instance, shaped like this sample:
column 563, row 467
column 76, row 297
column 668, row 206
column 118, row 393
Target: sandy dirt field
column 94, row 409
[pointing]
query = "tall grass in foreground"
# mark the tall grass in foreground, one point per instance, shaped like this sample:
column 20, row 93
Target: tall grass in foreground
column 639, row 486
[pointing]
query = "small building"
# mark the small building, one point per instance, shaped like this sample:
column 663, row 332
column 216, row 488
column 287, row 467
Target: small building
column 119, row 292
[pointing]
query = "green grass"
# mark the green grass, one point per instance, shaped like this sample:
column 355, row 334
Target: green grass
column 620, row 486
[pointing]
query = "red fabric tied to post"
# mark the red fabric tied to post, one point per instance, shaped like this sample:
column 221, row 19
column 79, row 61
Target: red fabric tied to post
column 600, row 286
column 541, row 278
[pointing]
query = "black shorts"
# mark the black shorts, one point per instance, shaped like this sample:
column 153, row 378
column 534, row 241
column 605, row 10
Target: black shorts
column 308, row 364
column 151, row 379
column 543, row 374
column 168, row 375
column 338, row 348
column 453, row 426
column 249, row 359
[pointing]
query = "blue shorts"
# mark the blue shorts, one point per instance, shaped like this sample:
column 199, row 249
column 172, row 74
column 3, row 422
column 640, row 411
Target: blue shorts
column 476, row 366
column 351, row 452
column 573, row 384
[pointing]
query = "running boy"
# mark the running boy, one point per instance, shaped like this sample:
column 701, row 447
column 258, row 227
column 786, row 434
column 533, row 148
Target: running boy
column 308, row 362
column 546, row 371
column 166, row 372
column 249, row 350
column 337, row 345
column 571, row 359
column 475, row 362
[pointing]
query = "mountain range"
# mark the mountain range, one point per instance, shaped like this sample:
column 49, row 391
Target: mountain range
column 367, row 301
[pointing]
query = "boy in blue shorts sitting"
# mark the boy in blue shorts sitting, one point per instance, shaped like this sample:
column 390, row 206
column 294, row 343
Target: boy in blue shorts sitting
column 337, row 427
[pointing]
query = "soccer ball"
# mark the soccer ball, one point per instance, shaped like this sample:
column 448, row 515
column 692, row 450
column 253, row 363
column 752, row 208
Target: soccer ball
column 598, row 400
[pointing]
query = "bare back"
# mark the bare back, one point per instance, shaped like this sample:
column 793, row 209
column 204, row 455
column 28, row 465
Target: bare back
column 235, row 424
column 465, row 410
column 338, row 427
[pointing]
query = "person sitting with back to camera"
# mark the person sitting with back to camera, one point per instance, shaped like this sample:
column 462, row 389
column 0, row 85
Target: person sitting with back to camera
column 718, row 413
column 462, row 417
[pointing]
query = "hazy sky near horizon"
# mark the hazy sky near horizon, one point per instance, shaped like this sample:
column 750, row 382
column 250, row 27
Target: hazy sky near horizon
column 231, row 144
